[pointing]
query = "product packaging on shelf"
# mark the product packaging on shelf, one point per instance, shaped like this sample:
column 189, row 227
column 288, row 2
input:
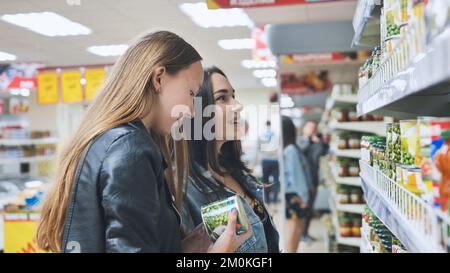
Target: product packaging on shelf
column 408, row 129
column 215, row 216
column 440, row 162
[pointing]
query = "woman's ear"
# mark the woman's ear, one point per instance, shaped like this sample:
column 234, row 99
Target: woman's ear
column 157, row 75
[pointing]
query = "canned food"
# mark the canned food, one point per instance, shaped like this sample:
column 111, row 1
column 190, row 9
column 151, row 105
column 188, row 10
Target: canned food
column 215, row 216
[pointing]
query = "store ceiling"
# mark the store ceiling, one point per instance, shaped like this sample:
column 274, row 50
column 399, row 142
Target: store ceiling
column 118, row 21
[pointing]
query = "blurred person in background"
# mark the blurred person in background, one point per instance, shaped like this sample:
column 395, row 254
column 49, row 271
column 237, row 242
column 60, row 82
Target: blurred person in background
column 269, row 164
column 297, row 182
column 313, row 147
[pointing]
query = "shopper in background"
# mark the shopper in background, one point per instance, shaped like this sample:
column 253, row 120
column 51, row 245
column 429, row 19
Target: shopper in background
column 115, row 190
column 217, row 171
column 297, row 185
column 269, row 163
column 313, row 147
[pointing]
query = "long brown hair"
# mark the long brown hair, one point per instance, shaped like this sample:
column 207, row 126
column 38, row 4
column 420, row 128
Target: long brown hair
column 126, row 95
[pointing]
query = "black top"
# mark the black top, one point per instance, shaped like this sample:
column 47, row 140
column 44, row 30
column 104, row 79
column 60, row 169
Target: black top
column 120, row 201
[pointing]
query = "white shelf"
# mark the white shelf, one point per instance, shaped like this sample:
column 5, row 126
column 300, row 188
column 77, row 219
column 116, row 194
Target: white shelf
column 33, row 159
column 415, row 223
column 352, row 153
column 372, row 127
column 350, row 181
column 350, row 241
column 350, row 208
column 366, row 23
column 335, row 101
column 420, row 89
column 33, row 141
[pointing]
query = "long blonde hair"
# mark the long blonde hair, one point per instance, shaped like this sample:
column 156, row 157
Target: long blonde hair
column 126, row 95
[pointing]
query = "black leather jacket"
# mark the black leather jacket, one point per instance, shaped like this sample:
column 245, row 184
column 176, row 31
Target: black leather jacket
column 120, row 201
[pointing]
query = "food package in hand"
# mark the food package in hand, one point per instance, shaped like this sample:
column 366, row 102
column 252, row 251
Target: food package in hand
column 215, row 216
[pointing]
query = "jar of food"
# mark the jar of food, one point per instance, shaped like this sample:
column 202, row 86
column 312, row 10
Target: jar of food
column 378, row 117
column 356, row 227
column 354, row 142
column 345, row 228
column 356, row 196
column 367, row 117
column 352, row 115
column 342, row 141
column 341, row 115
column 343, row 196
column 342, row 167
column 353, row 168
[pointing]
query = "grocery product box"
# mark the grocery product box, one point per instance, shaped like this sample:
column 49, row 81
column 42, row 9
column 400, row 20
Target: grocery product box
column 215, row 216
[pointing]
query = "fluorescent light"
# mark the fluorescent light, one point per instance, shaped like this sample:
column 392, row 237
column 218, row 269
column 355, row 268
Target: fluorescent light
column 232, row 44
column 108, row 50
column 7, row 56
column 265, row 73
column 206, row 18
column 269, row 82
column 47, row 23
column 286, row 102
column 250, row 64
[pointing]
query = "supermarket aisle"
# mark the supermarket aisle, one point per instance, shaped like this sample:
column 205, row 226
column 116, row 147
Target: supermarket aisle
column 317, row 230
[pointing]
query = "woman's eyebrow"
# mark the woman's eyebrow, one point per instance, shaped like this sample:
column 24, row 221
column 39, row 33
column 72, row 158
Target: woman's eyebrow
column 221, row 91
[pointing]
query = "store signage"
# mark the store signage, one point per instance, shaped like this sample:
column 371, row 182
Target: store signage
column 47, row 82
column 18, row 76
column 312, row 58
column 23, row 82
column 94, row 80
column 261, row 51
column 224, row 4
column 71, row 88
column 19, row 232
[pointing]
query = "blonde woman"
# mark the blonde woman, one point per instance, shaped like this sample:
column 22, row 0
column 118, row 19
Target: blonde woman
column 117, row 188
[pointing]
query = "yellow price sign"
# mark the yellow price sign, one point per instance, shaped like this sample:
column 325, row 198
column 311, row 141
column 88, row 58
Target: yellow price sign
column 71, row 86
column 95, row 78
column 48, row 87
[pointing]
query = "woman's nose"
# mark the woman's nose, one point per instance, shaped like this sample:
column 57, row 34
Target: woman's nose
column 237, row 106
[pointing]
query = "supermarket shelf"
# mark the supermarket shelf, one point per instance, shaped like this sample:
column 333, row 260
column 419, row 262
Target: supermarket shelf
column 350, row 181
column 350, row 153
column 336, row 101
column 372, row 127
column 21, row 142
column 351, row 208
column 409, row 218
column 350, row 241
column 366, row 23
column 421, row 89
column 33, row 159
